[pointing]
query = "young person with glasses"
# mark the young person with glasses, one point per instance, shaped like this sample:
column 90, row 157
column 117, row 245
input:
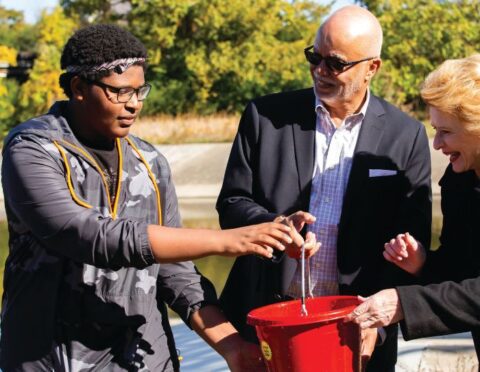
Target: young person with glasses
column 351, row 159
column 95, row 251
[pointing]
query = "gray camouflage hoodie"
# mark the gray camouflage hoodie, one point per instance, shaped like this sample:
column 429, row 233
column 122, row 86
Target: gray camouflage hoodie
column 81, row 288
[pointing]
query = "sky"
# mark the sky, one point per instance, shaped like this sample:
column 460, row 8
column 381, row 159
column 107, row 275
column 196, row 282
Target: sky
column 33, row 8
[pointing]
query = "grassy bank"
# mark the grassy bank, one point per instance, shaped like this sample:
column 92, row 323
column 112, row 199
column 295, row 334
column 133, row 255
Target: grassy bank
column 186, row 129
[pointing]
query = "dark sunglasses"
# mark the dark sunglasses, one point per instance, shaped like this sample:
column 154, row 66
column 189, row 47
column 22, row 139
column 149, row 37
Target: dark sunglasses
column 123, row 95
column 334, row 64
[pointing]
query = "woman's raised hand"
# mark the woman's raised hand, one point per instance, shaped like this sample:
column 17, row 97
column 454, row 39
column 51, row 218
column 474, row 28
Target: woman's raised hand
column 405, row 252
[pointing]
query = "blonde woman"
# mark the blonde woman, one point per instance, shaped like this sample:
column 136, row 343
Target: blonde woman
column 452, row 303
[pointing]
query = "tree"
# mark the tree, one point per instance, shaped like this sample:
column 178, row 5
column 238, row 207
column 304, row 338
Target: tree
column 14, row 32
column 418, row 36
column 214, row 55
column 8, row 97
column 42, row 87
column 8, row 55
column 8, row 90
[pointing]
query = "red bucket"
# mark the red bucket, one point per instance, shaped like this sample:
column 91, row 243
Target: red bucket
column 319, row 341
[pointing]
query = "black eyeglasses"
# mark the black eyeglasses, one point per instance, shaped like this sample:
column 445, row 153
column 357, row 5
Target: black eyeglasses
column 334, row 64
column 123, row 95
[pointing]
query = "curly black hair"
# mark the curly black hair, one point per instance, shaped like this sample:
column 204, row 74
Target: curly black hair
column 97, row 44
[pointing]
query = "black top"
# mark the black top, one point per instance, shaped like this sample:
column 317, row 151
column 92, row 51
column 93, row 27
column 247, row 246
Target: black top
column 451, row 303
column 108, row 162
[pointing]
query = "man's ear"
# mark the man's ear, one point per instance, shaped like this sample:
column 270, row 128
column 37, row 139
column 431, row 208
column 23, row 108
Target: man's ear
column 78, row 88
column 373, row 68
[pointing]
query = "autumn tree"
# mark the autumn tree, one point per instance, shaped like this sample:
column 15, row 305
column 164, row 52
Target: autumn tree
column 15, row 35
column 214, row 55
column 14, row 32
column 8, row 91
column 418, row 36
column 42, row 87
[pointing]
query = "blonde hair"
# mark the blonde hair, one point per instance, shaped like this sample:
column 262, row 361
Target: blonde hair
column 454, row 88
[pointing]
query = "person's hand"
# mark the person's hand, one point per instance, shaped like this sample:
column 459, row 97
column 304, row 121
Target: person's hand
column 258, row 239
column 406, row 252
column 379, row 310
column 212, row 326
column 297, row 221
column 246, row 357
column 369, row 340
column 311, row 246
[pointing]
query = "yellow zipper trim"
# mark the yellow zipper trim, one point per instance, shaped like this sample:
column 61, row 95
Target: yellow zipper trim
column 68, row 178
column 152, row 178
column 113, row 209
column 119, row 179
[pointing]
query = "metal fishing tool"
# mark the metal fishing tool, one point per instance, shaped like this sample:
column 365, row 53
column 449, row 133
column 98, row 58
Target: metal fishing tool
column 303, row 310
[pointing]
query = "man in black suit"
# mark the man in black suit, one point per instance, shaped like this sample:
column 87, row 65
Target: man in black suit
column 358, row 164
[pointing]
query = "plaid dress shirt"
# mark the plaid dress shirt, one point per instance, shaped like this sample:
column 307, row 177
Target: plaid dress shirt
column 334, row 149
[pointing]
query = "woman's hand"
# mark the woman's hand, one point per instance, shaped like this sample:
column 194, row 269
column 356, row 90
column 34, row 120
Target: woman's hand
column 406, row 252
column 379, row 310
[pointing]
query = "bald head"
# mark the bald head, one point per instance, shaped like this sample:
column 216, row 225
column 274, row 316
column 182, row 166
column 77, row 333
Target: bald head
column 355, row 26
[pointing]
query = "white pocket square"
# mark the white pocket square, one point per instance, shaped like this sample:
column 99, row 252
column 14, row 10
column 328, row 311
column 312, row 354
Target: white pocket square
column 381, row 172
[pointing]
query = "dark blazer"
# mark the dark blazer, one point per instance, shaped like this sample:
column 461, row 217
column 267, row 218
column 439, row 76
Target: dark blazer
column 454, row 305
column 270, row 170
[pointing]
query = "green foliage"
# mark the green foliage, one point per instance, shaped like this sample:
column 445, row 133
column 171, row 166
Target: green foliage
column 8, row 55
column 214, row 55
column 207, row 56
column 232, row 51
column 418, row 36
column 42, row 87
column 8, row 102
column 94, row 11
column 34, row 97
column 14, row 32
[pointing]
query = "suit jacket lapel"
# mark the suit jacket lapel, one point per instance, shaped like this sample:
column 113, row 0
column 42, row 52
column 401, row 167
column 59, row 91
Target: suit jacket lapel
column 370, row 136
column 304, row 140
column 372, row 127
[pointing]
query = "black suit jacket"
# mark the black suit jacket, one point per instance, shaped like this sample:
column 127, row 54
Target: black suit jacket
column 270, row 170
column 454, row 305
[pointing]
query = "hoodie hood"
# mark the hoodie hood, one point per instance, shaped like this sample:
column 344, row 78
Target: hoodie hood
column 52, row 125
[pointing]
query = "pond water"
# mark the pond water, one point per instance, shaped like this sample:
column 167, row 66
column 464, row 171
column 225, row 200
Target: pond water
column 214, row 268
